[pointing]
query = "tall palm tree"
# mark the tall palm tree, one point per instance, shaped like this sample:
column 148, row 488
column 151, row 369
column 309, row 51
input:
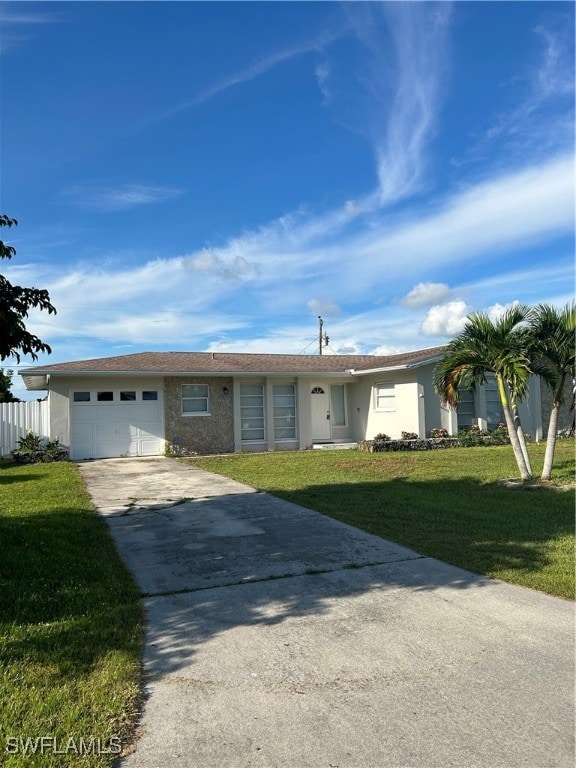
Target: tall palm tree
column 553, row 332
column 500, row 347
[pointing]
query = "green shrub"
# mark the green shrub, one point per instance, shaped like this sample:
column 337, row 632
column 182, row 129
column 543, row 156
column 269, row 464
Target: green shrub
column 31, row 450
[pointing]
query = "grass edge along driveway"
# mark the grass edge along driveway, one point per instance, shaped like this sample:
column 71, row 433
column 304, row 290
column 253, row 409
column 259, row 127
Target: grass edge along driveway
column 71, row 627
column 448, row 504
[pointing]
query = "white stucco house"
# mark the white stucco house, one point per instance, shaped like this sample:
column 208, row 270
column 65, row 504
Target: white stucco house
column 204, row 402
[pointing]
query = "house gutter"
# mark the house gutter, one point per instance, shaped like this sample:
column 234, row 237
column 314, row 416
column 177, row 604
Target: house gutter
column 405, row 367
column 39, row 380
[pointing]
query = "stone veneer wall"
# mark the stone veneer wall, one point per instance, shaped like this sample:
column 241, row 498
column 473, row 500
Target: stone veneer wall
column 200, row 434
column 565, row 416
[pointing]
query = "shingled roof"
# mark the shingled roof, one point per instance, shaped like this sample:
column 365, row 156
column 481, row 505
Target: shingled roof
column 236, row 363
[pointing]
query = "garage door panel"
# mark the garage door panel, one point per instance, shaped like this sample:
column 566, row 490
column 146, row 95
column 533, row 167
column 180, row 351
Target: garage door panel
column 115, row 429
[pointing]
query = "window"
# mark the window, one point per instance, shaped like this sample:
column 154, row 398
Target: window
column 105, row 397
column 149, row 395
column 195, row 399
column 466, row 409
column 252, row 411
column 81, row 397
column 284, row 408
column 385, row 397
column 127, row 397
column 494, row 412
column 338, row 410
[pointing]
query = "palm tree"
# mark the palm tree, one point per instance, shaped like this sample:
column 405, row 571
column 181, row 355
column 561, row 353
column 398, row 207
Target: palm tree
column 500, row 347
column 553, row 333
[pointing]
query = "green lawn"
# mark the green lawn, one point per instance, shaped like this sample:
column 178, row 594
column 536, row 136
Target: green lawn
column 70, row 623
column 447, row 504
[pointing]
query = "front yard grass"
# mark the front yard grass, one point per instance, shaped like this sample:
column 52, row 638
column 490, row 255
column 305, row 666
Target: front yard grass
column 447, row 504
column 71, row 627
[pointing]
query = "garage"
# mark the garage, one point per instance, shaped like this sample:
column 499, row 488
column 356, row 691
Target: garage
column 111, row 423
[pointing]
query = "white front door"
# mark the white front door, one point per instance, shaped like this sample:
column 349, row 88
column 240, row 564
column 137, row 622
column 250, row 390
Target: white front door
column 320, row 396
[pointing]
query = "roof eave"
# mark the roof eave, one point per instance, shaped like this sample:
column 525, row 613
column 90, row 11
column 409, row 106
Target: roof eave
column 386, row 369
column 35, row 383
column 315, row 373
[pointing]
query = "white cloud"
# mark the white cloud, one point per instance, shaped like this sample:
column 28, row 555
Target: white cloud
column 209, row 262
column 120, row 198
column 445, row 319
column 424, row 294
column 408, row 110
column 525, row 207
column 323, row 307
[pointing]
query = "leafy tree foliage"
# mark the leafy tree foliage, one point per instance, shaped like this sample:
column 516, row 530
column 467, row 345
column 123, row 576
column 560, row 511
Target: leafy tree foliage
column 502, row 348
column 554, row 342
column 6, row 395
column 15, row 303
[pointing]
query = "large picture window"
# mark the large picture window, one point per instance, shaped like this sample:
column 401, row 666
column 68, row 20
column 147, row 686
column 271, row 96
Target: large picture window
column 384, row 397
column 284, row 406
column 195, row 400
column 252, row 412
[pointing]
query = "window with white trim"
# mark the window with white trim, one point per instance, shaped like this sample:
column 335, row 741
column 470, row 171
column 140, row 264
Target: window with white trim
column 252, row 412
column 195, row 400
column 384, row 397
column 338, row 405
column 284, row 408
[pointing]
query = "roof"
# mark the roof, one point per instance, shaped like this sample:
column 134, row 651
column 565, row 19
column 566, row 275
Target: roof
column 177, row 363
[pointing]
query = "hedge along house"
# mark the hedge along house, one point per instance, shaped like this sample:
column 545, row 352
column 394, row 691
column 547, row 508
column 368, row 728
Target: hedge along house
column 204, row 402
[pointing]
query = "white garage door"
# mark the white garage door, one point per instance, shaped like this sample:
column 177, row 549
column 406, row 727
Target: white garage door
column 110, row 423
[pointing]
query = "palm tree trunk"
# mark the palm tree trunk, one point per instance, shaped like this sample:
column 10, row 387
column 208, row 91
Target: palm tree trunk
column 521, row 437
column 525, row 473
column 552, row 430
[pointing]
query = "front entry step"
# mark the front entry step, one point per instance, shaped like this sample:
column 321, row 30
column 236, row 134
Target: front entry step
column 333, row 446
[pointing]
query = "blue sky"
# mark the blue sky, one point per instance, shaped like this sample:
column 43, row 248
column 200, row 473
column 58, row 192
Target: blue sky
column 215, row 175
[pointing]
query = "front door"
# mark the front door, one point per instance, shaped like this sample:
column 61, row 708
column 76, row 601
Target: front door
column 320, row 413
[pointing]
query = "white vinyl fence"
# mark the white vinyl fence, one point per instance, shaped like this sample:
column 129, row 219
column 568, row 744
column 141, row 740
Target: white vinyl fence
column 17, row 418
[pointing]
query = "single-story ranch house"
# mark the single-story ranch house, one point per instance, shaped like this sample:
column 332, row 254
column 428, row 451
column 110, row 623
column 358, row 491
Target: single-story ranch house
column 211, row 402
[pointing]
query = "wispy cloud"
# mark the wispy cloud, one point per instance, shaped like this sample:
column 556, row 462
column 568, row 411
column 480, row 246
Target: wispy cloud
column 529, row 126
column 18, row 24
column 406, row 48
column 252, row 71
column 109, row 199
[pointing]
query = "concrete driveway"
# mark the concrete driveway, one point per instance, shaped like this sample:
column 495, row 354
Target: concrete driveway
column 277, row 637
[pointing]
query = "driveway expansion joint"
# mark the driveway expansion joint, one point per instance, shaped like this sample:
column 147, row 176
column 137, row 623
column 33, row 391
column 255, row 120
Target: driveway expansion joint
column 307, row 572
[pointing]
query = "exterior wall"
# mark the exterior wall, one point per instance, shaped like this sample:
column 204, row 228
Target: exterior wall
column 59, row 396
column 435, row 415
column 406, row 416
column 200, row 433
column 529, row 410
